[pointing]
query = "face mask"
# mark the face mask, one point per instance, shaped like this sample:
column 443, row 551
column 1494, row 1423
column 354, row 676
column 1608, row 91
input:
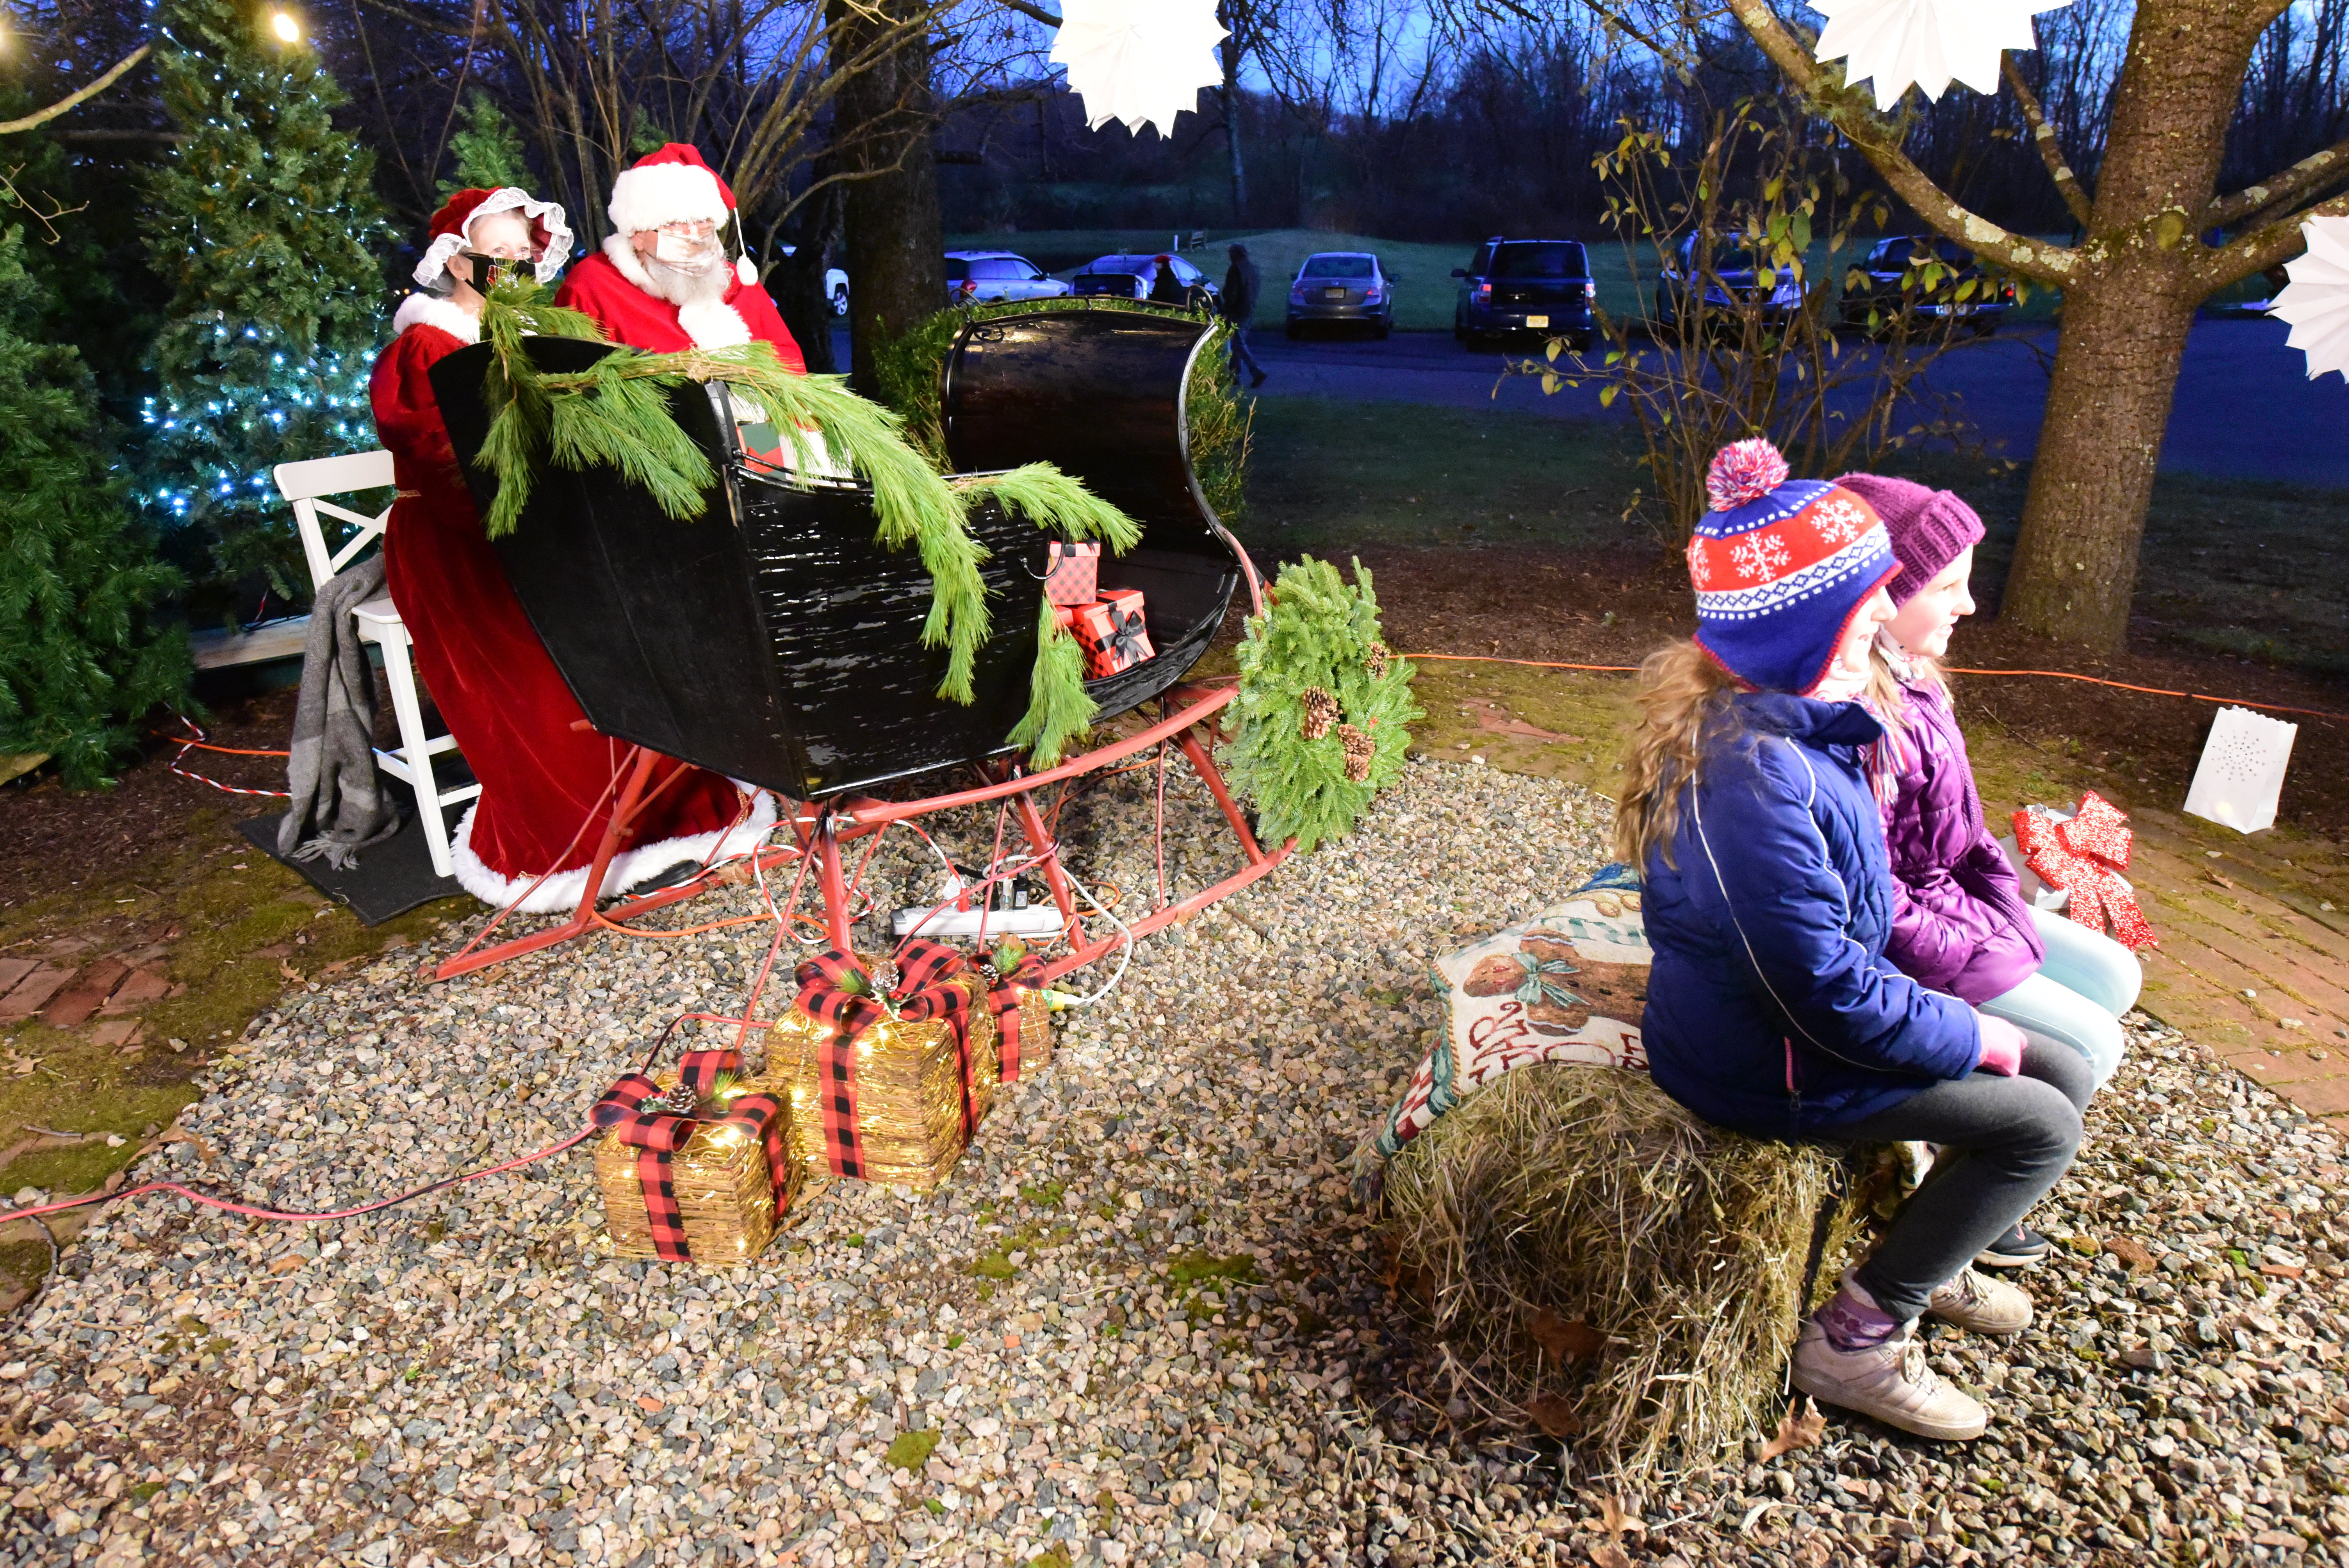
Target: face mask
column 481, row 273
column 680, row 250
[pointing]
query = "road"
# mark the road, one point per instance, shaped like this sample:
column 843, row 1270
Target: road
column 2245, row 407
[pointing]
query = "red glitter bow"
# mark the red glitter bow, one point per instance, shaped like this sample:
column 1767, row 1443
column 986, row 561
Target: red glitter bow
column 2085, row 858
column 835, row 989
column 659, row 1132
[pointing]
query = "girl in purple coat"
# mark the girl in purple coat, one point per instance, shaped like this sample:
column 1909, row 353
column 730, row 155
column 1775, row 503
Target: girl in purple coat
column 1959, row 922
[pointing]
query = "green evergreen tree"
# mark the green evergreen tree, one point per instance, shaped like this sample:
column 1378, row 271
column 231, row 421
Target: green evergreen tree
column 80, row 661
column 265, row 222
column 488, row 150
column 1320, row 720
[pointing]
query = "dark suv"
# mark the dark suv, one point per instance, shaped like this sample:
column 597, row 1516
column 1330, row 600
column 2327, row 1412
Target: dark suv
column 1930, row 273
column 1525, row 285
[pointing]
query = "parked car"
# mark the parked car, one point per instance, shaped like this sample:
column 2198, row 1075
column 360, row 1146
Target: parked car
column 986, row 277
column 1138, row 277
column 1341, row 288
column 1937, row 278
column 835, row 283
column 1730, row 285
column 1525, row 285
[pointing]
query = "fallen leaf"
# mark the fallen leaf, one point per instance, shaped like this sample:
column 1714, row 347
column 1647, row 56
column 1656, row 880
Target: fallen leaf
column 1807, row 1431
column 648, row 1405
column 2131, row 1253
column 181, row 1135
column 2283, row 1271
column 1554, row 1416
column 1566, row 1341
column 1614, row 1520
column 287, row 1264
column 339, row 965
column 290, row 973
column 1607, row 1554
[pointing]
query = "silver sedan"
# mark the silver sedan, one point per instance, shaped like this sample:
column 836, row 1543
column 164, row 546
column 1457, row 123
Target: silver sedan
column 1337, row 288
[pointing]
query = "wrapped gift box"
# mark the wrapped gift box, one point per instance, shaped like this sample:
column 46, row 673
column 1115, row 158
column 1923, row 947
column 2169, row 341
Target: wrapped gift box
column 728, row 1198
column 1114, row 632
column 1072, row 575
column 911, row 1077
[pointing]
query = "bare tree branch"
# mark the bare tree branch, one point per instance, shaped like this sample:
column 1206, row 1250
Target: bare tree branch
column 2313, row 172
column 1879, row 143
column 2263, row 247
column 2050, row 151
column 43, row 117
column 1034, row 13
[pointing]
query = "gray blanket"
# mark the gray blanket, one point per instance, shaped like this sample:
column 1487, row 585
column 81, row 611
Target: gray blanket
column 331, row 766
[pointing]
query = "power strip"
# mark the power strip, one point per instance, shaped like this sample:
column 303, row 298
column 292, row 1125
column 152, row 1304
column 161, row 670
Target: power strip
column 1036, row 920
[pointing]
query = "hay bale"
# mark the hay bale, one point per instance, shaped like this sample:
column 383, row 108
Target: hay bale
column 1565, row 1195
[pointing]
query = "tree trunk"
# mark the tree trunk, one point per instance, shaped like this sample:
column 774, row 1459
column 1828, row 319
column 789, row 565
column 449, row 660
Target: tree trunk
column 1232, row 17
column 2125, row 317
column 2074, row 574
column 897, row 245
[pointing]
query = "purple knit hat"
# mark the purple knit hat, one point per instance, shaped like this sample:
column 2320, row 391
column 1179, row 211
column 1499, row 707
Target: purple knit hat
column 1929, row 528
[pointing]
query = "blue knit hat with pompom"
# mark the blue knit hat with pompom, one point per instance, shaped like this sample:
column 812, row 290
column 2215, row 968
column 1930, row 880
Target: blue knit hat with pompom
column 1780, row 567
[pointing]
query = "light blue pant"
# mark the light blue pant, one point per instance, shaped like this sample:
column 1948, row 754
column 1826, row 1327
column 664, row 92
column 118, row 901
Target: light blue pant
column 2079, row 994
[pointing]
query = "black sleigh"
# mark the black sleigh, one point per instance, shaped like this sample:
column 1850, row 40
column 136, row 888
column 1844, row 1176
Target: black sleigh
column 773, row 641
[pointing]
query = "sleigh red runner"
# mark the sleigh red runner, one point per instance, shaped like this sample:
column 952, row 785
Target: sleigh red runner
column 696, row 1169
column 889, row 1076
column 2083, row 856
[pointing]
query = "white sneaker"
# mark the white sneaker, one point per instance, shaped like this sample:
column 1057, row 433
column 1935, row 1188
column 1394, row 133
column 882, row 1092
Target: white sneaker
column 1982, row 1303
column 1888, row 1381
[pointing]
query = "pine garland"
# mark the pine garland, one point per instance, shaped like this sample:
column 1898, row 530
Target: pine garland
column 615, row 414
column 1316, row 647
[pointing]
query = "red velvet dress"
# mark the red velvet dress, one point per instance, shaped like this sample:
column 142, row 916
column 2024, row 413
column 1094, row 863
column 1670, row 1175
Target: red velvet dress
column 500, row 694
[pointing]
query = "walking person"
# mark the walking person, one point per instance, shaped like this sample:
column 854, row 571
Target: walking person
column 1242, row 285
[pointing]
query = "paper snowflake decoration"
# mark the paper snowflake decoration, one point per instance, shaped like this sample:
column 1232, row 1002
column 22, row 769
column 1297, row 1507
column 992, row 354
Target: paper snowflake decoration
column 1140, row 61
column 1931, row 43
column 2316, row 301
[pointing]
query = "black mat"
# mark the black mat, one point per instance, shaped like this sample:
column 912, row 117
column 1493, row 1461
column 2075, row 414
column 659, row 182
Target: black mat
column 390, row 878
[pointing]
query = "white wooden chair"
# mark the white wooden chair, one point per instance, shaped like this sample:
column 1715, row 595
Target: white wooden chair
column 305, row 484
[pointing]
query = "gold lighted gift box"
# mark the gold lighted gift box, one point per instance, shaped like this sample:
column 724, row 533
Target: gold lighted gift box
column 909, row 1085
column 724, row 1194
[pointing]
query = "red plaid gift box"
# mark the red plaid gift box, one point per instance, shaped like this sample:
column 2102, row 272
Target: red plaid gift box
column 1072, row 575
column 1113, row 633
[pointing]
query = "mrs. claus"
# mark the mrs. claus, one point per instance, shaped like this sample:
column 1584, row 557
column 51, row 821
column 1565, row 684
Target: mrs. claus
column 534, row 832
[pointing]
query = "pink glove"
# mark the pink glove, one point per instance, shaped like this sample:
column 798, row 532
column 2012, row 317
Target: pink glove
column 2002, row 1045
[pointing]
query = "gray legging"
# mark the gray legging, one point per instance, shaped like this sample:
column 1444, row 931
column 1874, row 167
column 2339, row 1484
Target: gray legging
column 2004, row 1142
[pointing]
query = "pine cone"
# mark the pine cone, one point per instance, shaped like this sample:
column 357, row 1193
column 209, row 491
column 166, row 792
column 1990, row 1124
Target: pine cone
column 1378, row 660
column 1359, row 748
column 1317, row 711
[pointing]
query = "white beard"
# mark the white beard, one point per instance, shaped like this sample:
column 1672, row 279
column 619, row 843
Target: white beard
column 684, row 286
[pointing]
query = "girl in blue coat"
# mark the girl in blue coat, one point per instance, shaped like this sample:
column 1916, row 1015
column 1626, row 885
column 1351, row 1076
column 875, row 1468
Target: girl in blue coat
column 1770, row 1009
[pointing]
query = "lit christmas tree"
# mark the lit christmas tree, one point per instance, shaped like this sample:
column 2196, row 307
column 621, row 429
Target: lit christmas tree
column 265, row 222
column 80, row 662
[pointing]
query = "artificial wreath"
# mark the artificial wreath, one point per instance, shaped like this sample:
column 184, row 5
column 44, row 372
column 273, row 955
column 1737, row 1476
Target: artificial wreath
column 615, row 414
column 1321, row 720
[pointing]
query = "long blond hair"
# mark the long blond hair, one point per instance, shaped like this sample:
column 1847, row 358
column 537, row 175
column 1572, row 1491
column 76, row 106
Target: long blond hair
column 1887, row 699
column 1684, row 711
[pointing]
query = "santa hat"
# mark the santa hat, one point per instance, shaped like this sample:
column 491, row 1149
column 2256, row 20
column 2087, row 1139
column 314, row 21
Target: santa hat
column 674, row 186
column 451, row 230
column 1781, row 566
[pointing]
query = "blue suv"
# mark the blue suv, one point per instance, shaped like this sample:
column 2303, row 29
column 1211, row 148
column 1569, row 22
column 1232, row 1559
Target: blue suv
column 1526, row 285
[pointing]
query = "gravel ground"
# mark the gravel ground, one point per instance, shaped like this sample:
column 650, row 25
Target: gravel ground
column 1142, row 1323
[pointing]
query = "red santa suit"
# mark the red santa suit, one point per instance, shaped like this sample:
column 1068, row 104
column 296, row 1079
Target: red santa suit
column 500, row 695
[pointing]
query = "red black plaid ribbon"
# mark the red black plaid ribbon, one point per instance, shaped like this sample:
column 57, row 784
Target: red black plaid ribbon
column 1003, row 989
column 925, row 971
column 657, row 1134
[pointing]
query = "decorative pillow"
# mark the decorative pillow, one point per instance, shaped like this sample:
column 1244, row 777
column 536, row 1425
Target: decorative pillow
column 1568, row 986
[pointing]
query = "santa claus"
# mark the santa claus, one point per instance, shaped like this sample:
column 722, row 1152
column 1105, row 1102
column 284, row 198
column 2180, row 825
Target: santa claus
column 534, row 833
column 673, row 276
